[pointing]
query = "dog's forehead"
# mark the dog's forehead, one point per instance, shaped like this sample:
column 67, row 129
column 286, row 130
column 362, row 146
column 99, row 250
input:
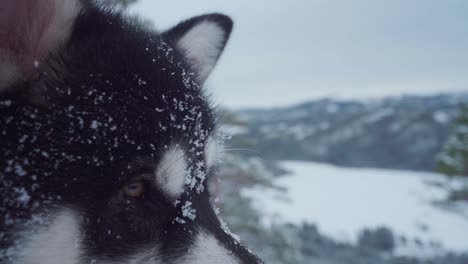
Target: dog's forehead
column 154, row 105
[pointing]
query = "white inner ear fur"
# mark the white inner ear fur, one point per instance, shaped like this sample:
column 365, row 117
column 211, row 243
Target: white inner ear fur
column 202, row 46
column 172, row 171
column 206, row 249
column 57, row 244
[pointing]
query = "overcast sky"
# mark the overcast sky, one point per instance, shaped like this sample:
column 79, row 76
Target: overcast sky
column 284, row 52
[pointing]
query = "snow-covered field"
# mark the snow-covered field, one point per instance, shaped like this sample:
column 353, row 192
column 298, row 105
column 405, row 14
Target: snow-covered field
column 343, row 201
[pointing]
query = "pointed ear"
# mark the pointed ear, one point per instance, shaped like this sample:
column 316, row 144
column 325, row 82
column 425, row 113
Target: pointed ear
column 29, row 30
column 202, row 40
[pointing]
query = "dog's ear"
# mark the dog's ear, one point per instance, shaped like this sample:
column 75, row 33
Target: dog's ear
column 202, row 40
column 29, row 31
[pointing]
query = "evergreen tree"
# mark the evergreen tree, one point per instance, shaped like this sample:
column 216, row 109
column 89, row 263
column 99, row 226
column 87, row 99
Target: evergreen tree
column 453, row 159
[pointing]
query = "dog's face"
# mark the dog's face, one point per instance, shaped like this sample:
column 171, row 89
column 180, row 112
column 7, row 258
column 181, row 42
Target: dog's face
column 107, row 138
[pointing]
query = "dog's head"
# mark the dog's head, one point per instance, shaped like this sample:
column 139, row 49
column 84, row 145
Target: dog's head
column 108, row 140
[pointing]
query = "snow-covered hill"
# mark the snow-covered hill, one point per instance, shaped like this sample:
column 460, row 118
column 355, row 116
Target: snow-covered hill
column 344, row 201
column 403, row 132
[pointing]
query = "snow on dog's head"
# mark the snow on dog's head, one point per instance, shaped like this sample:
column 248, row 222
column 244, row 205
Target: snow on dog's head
column 107, row 137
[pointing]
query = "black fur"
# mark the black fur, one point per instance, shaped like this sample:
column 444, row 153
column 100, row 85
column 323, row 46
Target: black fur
column 100, row 111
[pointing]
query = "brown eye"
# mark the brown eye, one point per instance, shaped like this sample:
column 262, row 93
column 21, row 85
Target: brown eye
column 134, row 189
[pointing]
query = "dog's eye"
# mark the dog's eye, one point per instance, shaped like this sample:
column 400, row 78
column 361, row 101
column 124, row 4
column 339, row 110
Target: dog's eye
column 134, row 189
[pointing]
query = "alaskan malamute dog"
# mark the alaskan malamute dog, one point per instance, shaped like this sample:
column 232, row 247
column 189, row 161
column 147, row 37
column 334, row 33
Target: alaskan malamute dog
column 107, row 138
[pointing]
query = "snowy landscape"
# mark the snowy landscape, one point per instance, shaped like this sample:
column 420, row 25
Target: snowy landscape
column 342, row 130
column 344, row 201
column 404, row 132
column 341, row 181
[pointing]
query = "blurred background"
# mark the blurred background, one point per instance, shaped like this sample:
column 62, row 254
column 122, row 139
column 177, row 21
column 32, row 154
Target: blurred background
column 345, row 126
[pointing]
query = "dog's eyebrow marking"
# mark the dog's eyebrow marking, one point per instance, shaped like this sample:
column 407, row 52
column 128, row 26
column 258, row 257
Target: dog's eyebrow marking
column 172, row 171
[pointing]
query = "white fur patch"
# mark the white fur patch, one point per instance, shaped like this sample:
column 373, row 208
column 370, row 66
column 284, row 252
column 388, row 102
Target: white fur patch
column 146, row 256
column 59, row 243
column 202, row 45
column 213, row 152
column 207, row 249
column 171, row 171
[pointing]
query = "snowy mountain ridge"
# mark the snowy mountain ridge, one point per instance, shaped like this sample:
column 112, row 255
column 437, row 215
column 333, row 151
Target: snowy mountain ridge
column 400, row 132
